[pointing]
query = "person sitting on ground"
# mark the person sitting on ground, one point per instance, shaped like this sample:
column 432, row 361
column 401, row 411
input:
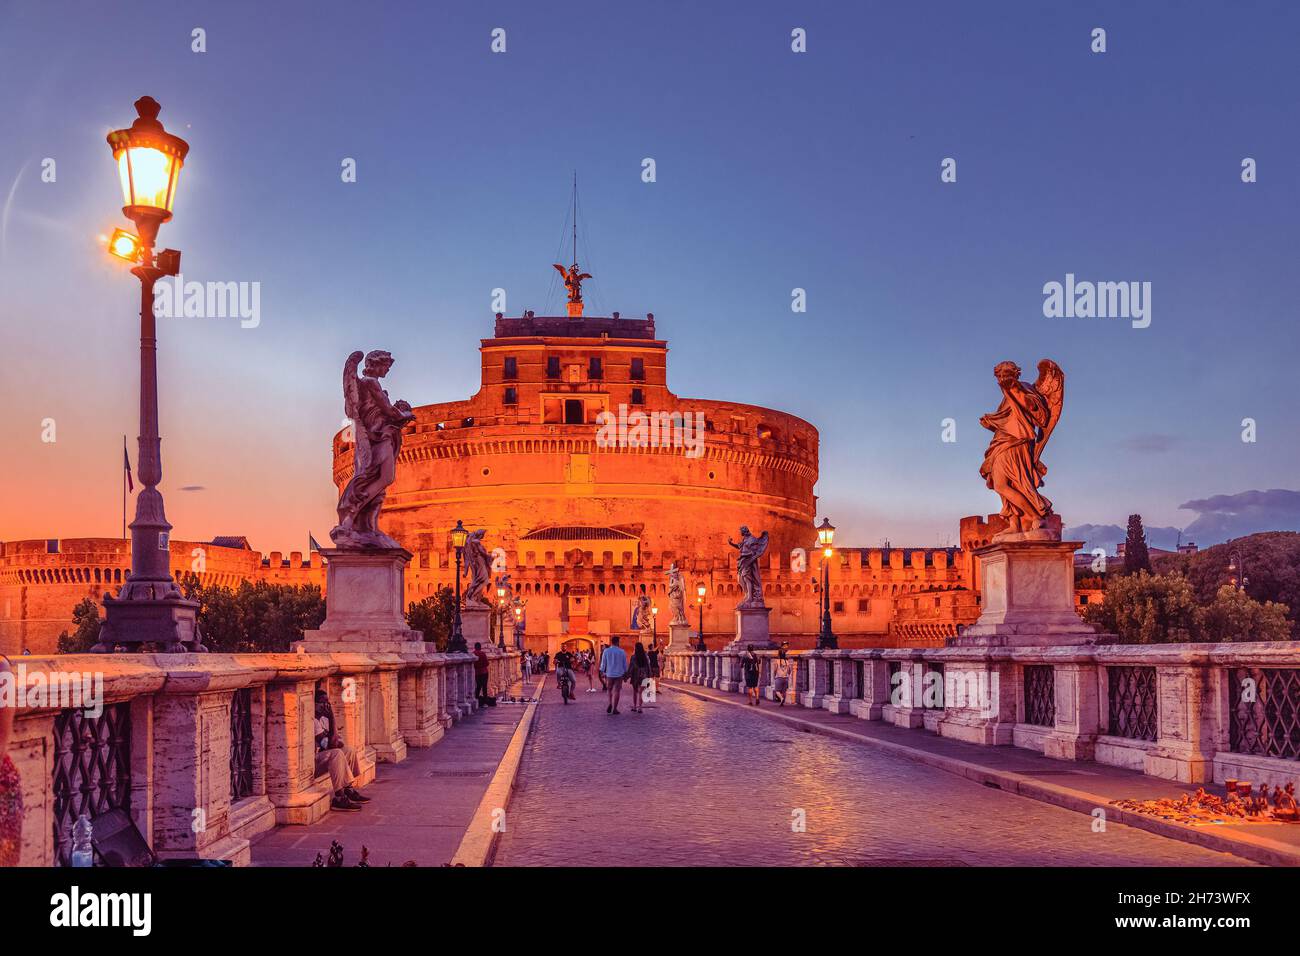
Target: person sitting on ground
column 336, row 758
column 482, row 665
column 613, row 666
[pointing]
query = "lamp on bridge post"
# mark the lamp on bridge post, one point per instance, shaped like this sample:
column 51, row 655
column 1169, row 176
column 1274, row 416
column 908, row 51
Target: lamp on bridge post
column 501, row 615
column 149, row 607
column 519, row 619
column 457, row 643
column 826, row 538
column 654, row 624
column 701, row 591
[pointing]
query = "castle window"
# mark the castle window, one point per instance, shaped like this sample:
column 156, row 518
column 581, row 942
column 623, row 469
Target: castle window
column 512, row 369
column 837, row 607
column 553, row 366
column 594, row 370
column 638, row 396
column 512, row 396
column 864, row 606
column 573, row 413
column 638, row 370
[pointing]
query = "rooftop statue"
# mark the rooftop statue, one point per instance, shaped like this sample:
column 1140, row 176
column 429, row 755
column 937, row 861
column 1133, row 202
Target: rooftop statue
column 1021, row 426
column 751, row 550
column 377, row 425
column 573, row 280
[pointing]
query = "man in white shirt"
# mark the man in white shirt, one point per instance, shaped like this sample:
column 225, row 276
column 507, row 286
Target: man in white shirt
column 613, row 667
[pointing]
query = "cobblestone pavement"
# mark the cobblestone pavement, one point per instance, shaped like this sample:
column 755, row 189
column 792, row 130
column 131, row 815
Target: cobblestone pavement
column 695, row 783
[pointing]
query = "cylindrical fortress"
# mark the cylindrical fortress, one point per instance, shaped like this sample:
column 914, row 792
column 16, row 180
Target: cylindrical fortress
column 574, row 442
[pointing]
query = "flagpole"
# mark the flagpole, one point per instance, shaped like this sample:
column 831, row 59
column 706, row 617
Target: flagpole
column 124, row 489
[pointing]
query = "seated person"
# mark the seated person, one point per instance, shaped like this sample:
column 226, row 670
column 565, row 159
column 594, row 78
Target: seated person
column 336, row 758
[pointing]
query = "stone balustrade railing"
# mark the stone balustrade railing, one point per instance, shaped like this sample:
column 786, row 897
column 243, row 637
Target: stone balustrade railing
column 1188, row 712
column 207, row 751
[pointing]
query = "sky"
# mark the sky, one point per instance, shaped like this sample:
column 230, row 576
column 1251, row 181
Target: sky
column 774, row 171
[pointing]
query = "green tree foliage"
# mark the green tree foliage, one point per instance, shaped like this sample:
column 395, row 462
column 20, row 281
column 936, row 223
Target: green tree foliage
column 1147, row 608
column 1272, row 561
column 434, row 616
column 1136, row 556
column 254, row 617
column 86, row 623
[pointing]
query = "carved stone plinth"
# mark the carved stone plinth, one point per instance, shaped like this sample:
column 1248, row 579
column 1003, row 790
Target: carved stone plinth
column 752, row 628
column 679, row 636
column 476, row 625
column 1028, row 595
column 364, row 613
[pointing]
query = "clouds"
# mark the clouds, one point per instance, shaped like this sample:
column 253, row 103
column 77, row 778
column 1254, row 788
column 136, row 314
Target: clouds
column 1230, row 516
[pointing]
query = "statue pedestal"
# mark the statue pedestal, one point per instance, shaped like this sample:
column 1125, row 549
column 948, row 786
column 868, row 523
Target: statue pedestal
column 1027, row 582
column 679, row 636
column 476, row 625
column 364, row 594
column 752, row 628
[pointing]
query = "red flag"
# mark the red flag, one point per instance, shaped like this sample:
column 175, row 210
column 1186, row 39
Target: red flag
column 126, row 463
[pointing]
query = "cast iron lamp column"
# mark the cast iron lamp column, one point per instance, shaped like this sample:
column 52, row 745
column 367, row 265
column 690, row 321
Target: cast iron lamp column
column 1237, row 567
column 826, row 537
column 501, row 615
column 149, row 607
column 700, row 592
column 457, row 643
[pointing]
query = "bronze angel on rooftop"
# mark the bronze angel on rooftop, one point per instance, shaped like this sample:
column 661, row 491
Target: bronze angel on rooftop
column 1021, row 426
column 573, row 280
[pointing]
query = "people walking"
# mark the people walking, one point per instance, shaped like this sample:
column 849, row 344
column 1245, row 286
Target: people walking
column 749, row 664
column 782, row 668
column 638, row 675
column 654, row 665
column 613, row 668
column 481, row 668
column 589, row 666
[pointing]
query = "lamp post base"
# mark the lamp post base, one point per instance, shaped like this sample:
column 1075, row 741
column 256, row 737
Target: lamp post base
column 169, row 622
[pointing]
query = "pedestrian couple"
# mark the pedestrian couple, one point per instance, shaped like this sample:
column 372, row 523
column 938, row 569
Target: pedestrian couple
column 781, row 669
column 615, row 667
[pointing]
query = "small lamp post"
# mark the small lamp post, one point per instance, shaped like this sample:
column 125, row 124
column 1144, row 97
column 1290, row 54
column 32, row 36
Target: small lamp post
column 826, row 538
column 700, row 592
column 457, row 643
column 1237, row 568
column 149, row 607
column 519, row 622
column 654, row 624
column 501, row 615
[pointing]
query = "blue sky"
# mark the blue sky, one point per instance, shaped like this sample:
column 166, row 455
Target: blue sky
column 775, row 170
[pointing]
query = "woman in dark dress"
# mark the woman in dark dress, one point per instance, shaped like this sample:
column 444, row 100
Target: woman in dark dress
column 638, row 672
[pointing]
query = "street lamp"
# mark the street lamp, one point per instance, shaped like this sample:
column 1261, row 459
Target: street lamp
column 1237, row 567
column 654, row 624
column 149, row 607
column 457, row 643
column 701, row 590
column 826, row 538
column 501, row 615
column 519, row 622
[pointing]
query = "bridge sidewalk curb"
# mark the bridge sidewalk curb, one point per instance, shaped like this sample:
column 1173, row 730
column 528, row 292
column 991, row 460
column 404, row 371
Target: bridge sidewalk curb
column 478, row 845
column 1254, row 848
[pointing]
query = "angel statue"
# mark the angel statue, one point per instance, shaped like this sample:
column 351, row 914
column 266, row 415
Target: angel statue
column 1022, row 424
column 676, row 594
column 478, row 565
column 751, row 549
column 377, row 424
column 573, row 280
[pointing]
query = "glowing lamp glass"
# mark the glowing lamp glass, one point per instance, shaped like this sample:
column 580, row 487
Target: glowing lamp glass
column 148, row 177
column 458, row 535
column 124, row 245
column 826, row 533
column 701, row 591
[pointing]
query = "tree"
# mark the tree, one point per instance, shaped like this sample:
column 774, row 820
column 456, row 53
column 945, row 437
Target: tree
column 1236, row 616
column 434, row 616
column 1145, row 608
column 86, row 633
column 1272, row 560
column 1136, row 556
column 254, row 617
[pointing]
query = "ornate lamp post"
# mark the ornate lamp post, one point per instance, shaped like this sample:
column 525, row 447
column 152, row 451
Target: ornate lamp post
column 501, row 615
column 826, row 538
column 1237, row 568
column 654, row 624
column 457, row 643
column 519, row 620
column 700, row 592
column 149, row 607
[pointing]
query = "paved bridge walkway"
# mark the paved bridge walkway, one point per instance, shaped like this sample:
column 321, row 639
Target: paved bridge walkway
column 698, row 782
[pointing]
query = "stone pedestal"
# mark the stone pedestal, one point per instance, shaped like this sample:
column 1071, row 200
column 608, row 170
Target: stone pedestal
column 679, row 636
column 476, row 625
column 1027, row 582
column 752, row 628
column 364, row 611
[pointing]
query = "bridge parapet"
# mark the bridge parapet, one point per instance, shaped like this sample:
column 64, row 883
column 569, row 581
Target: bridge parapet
column 205, row 752
column 1194, row 713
